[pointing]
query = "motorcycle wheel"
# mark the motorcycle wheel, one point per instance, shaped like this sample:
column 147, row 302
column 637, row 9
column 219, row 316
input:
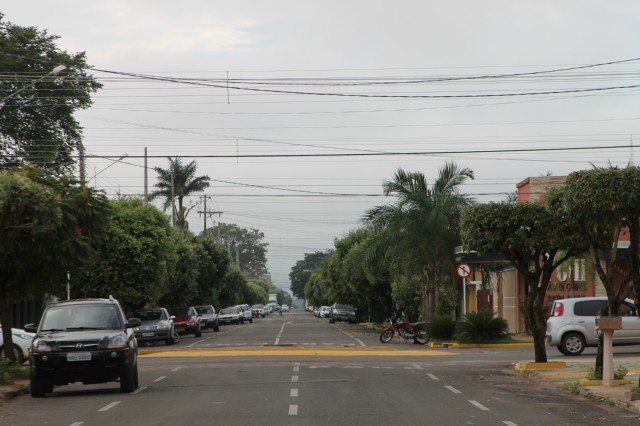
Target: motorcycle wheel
column 421, row 338
column 386, row 335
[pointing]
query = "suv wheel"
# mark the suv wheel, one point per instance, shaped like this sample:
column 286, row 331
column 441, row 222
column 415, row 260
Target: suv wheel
column 572, row 344
column 128, row 379
column 38, row 388
column 198, row 333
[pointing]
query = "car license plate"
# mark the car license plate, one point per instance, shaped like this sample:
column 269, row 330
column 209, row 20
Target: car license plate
column 147, row 334
column 79, row 356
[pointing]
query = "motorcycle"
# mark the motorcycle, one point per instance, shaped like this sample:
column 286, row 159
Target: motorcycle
column 415, row 331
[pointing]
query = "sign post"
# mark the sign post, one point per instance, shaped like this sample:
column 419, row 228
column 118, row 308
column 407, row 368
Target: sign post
column 463, row 270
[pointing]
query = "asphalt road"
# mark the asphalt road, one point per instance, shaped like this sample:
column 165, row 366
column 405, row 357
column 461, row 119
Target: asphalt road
column 300, row 370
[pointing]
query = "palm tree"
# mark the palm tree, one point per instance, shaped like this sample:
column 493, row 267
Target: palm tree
column 420, row 229
column 177, row 182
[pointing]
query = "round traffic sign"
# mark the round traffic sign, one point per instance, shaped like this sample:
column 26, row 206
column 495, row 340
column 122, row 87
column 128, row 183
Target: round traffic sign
column 463, row 270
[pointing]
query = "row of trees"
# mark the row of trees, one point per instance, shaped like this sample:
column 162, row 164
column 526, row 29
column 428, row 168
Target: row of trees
column 402, row 258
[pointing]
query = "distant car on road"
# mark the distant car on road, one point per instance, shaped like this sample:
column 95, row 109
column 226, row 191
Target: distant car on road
column 245, row 312
column 324, row 311
column 285, row 308
column 186, row 320
column 571, row 327
column 257, row 310
column 342, row 312
column 208, row 317
column 228, row 316
column 157, row 325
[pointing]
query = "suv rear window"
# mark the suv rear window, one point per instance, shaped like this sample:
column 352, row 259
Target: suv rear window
column 588, row 308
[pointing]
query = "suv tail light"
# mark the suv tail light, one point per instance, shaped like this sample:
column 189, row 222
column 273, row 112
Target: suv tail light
column 558, row 309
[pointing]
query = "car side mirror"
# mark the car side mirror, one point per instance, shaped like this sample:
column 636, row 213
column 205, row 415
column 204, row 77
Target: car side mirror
column 30, row 328
column 133, row 323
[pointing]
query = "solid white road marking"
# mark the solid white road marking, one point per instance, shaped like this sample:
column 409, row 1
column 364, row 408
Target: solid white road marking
column 110, row 406
column 76, row 424
column 160, row 378
column 176, row 369
column 508, row 423
column 452, row 389
column 480, row 406
column 432, row 376
column 293, row 410
column 294, row 393
column 294, row 379
column 280, row 333
column 417, row 367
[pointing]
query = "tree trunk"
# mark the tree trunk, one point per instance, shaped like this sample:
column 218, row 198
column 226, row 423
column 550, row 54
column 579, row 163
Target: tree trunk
column 5, row 318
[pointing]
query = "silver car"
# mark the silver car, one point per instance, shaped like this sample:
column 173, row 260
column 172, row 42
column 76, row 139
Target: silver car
column 571, row 326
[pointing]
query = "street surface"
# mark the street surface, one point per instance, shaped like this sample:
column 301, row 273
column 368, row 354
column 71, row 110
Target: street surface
column 297, row 369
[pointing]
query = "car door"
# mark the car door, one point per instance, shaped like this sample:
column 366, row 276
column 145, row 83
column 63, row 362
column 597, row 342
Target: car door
column 630, row 332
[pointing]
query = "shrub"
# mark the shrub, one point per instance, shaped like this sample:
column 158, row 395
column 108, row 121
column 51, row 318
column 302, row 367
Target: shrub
column 442, row 327
column 8, row 368
column 619, row 374
column 477, row 327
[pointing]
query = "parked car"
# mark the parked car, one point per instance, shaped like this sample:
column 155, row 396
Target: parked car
column 186, row 320
column 21, row 343
column 156, row 325
column 324, row 311
column 342, row 312
column 228, row 316
column 208, row 317
column 245, row 312
column 257, row 310
column 88, row 341
column 285, row 308
column 571, row 327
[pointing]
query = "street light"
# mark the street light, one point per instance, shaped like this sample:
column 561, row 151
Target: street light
column 53, row 73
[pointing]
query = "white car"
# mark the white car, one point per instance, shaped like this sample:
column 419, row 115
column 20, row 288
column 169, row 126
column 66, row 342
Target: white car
column 21, row 343
column 572, row 324
column 228, row 316
column 285, row 308
column 324, row 311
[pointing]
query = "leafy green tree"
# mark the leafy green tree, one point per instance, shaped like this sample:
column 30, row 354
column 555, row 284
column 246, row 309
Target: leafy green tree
column 247, row 244
column 178, row 181
column 182, row 288
column 136, row 257
column 233, row 288
column 536, row 237
column 48, row 227
column 37, row 126
column 420, row 230
column 213, row 268
column 257, row 293
column 301, row 271
column 605, row 202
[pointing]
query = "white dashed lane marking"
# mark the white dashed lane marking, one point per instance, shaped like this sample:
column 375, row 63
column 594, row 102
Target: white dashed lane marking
column 480, row 406
column 109, row 406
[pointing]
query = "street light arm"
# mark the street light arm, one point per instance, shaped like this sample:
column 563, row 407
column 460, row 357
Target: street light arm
column 53, row 73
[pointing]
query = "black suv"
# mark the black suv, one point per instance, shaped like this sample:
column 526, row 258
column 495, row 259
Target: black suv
column 88, row 341
column 342, row 312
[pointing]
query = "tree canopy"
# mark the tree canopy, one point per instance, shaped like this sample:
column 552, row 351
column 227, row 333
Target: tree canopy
column 37, row 125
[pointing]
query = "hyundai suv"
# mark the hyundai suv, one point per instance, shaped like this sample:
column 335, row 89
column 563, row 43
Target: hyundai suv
column 342, row 312
column 571, row 327
column 88, row 341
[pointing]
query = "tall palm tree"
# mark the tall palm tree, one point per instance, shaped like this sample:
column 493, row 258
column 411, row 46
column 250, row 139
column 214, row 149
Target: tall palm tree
column 177, row 182
column 420, row 229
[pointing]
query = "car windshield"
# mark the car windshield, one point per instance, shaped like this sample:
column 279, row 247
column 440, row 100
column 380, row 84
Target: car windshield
column 181, row 312
column 150, row 315
column 228, row 311
column 344, row 307
column 204, row 309
column 69, row 317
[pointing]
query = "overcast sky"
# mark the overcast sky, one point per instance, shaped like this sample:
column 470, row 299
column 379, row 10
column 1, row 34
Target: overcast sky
column 268, row 97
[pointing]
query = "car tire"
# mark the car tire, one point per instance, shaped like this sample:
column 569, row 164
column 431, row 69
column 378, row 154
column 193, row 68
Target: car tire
column 17, row 352
column 198, row 333
column 332, row 321
column 38, row 387
column 251, row 321
column 128, row 380
column 572, row 344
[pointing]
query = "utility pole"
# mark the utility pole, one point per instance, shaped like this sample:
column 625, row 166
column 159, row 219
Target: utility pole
column 146, row 177
column 206, row 212
column 81, row 163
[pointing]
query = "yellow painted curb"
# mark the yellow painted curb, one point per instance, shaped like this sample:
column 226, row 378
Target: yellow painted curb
column 587, row 382
column 531, row 365
column 288, row 350
column 477, row 345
